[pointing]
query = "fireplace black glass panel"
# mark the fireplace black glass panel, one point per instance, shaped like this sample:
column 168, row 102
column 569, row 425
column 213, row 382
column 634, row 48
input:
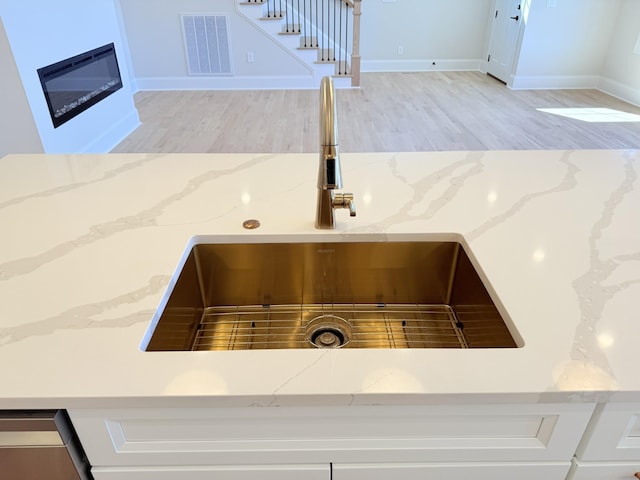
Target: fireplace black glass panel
column 77, row 83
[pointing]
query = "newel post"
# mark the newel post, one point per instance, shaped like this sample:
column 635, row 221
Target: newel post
column 355, row 54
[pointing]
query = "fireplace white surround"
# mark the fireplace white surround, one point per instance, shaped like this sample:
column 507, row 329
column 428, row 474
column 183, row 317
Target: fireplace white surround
column 62, row 33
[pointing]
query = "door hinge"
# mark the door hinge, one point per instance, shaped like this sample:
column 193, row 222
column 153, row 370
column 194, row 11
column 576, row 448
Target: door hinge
column 489, row 58
column 496, row 16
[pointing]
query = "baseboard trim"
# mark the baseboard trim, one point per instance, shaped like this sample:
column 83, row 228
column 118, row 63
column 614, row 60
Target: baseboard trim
column 520, row 82
column 303, row 82
column 116, row 134
column 421, row 65
column 620, row 90
column 606, row 85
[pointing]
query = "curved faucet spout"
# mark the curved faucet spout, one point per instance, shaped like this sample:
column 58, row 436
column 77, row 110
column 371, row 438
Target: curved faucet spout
column 328, row 117
column 329, row 172
column 329, row 175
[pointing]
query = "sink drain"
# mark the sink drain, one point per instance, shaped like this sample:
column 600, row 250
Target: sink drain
column 328, row 331
column 328, row 338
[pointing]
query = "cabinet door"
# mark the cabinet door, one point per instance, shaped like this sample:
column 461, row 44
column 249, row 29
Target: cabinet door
column 613, row 434
column 448, row 471
column 604, row 471
column 310, row 435
column 256, row 472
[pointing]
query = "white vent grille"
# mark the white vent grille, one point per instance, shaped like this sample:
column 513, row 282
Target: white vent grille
column 206, row 38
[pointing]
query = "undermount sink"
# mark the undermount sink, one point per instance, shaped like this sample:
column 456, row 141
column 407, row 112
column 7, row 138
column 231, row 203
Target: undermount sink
column 338, row 294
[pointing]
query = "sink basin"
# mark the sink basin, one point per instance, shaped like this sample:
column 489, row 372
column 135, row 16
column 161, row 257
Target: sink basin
column 344, row 294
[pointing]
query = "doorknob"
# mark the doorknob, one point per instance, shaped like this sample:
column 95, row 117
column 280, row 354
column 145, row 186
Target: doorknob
column 516, row 18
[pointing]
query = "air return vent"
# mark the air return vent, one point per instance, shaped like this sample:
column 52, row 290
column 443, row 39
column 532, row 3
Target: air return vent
column 206, row 38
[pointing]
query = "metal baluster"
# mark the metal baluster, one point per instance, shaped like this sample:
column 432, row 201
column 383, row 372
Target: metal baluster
column 322, row 39
column 328, row 32
column 335, row 22
column 286, row 15
column 293, row 20
column 346, row 36
column 317, row 22
column 309, row 22
column 304, row 21
column 340, row 40
column 298, row 16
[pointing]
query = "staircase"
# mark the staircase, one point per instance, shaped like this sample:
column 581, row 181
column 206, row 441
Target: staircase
column 324, row 35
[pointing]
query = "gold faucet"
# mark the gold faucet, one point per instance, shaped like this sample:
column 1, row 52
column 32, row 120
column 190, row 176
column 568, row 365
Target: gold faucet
column 329, row 173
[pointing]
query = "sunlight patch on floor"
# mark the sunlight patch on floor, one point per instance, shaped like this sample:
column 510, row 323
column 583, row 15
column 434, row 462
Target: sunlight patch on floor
column 593, row 115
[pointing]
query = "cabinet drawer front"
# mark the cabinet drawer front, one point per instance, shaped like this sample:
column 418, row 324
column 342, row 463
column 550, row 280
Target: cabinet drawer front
column 502, row 433
column 613, row 434
column 257, row 472
column 604, row 471
column 475, row 471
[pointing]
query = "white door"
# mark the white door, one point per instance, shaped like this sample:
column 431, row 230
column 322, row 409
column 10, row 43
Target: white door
column 507, row 17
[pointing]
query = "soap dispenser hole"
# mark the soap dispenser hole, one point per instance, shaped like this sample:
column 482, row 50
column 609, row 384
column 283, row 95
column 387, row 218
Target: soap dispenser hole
column 251, row 224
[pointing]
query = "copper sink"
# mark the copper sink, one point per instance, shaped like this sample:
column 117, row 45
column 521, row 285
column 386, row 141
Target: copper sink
column 345, row 294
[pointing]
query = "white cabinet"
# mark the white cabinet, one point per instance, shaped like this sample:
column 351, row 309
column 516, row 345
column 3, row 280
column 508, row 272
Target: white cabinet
column 610, row 449
column 465, row 471
column 613, row 434
column 255, row 472
column 360, row 442
column 604, row 471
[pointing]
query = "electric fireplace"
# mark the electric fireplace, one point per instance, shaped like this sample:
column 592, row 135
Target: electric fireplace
column 77, row 83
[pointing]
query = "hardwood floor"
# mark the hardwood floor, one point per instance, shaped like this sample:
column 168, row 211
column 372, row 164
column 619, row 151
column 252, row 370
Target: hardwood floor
column 391, row 112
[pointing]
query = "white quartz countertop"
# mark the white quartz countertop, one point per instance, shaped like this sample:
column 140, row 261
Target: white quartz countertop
column 89, row 243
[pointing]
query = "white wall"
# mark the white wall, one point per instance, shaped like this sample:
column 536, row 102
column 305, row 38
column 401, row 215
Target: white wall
column 157, row 52
column 621, row 75
column 451, row 33
column 18, row 132
column 566, row 46
column 42, row 32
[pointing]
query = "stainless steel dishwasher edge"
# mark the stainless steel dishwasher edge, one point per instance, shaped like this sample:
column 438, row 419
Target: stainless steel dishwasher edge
column 38, row 444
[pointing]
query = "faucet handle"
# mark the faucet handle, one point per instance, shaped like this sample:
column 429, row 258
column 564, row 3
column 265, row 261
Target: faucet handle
column 345, row 200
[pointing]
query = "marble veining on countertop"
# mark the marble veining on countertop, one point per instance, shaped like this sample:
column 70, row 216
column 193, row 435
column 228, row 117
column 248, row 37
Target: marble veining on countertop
column 90, row 243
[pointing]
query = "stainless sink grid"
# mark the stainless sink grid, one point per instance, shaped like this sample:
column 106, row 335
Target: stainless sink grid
column 372, row 326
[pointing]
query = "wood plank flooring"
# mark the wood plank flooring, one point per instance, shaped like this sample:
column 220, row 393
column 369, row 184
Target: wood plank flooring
column 391, row 112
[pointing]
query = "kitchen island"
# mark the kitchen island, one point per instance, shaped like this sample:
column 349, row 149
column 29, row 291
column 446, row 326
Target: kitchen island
column 90, row 243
